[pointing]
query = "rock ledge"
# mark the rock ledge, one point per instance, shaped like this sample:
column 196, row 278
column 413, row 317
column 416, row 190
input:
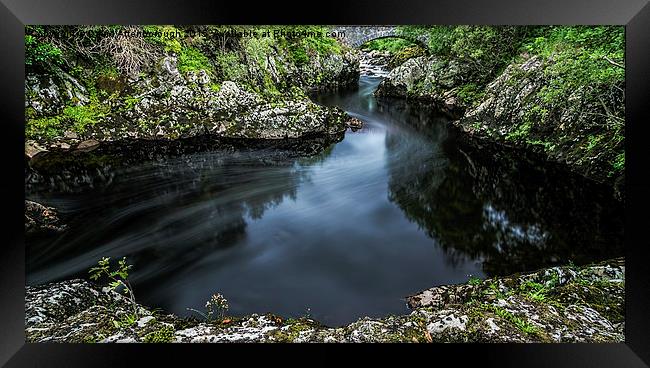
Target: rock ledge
column 559, row 304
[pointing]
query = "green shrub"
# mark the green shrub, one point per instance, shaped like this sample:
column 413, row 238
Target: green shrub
column 589, row 59
column 191, row 59
column 40, row 53
column 473, row 280
column 301, row 49
column 470, row 93
column 519, row 132
column 117, row 278
column 231, row 67
column 47, row 127
column 80, row 116
column 392, row 45
column 522, row 324
column 619, row 162
column 166, row 36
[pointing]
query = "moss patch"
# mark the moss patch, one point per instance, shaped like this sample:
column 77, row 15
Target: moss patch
column 162, row 335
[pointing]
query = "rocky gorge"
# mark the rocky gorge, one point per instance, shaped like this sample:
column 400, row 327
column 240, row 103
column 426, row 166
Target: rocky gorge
column 93, row 113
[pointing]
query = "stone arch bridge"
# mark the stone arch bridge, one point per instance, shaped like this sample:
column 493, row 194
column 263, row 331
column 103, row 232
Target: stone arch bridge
column 355, row 36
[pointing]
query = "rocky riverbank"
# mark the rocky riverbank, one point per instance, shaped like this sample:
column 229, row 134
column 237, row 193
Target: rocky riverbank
column 559, row 304
column 109, row 87
column 512, row 112
column 561, row 98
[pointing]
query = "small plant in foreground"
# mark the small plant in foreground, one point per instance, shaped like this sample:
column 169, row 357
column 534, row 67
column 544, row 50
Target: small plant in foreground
column 473, row 280
column 522, row 324
column 118, row 278
column 534, row 290
column 215, row 308
column 126, row 321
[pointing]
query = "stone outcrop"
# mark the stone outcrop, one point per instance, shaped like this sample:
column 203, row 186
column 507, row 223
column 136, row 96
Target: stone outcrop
column 48, row 94
column 559, row 304
column 174, row 106
column 248, row 89
column 513, row 113
column 326, row 73
column 428, row 79
column 41, row 219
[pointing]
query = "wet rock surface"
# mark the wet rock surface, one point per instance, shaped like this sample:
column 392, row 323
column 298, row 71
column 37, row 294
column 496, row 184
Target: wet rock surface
column 41, row 219
column 559, row 304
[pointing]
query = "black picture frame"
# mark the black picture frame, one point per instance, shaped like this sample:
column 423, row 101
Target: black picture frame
column 634, row 14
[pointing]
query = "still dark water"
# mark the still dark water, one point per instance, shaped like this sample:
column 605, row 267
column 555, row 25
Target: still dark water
column 395, row 208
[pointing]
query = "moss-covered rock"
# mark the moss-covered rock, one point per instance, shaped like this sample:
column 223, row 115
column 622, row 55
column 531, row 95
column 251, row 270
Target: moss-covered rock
column 434, row 80
column 559, row 304
column 582, row 134
column 519, row 109
column 184, row 86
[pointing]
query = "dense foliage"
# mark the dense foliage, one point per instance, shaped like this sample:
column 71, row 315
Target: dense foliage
column 40, row 53
column 390, row 44
column 582, row 55
column 487, row 48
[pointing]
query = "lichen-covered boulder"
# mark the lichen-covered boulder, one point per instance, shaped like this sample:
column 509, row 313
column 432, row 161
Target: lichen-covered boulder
column 429, row 79
column 558, row 304
column 48, row 94
column 252, row 88
column 329, row 72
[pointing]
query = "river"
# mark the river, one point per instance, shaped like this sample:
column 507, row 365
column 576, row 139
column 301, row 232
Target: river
column 394, row 208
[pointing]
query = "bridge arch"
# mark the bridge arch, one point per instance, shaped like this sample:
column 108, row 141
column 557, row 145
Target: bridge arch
column 356, row 36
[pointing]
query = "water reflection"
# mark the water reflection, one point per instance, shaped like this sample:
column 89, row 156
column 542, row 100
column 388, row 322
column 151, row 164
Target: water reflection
column 494, row 205
column 170, row 211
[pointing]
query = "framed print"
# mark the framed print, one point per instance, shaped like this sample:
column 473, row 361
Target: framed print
column 428, row 178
